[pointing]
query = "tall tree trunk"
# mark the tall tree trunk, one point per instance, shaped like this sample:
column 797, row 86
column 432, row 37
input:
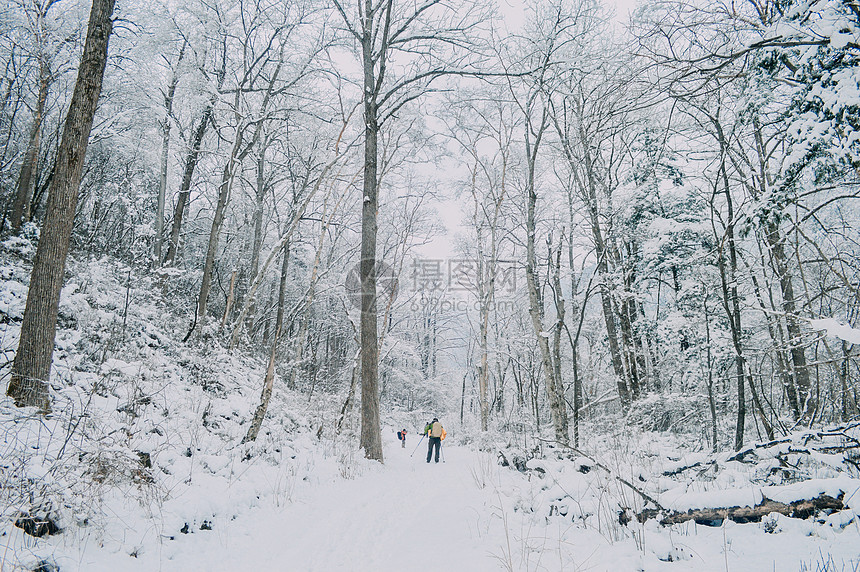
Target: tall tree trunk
column 266, row 396
column 585, row 178
column 237, row 155
column 463, row 397
column 606, row 301
column 731, row 304
column 709, row 365
column 631, row 312
column 574, row 341
column 230, row 297
column 283, row 243
column 184, row 197
column 165, row 155
column 302, row 336
column 485, row 295
column 259, row 198
column 484, row 366
column 732, row 307
column 27, row 176
column 557, row 405
column 215, row 230
column 381, row 29
column 558, row 296
column 282, row 286
column 628, row 343
column 257, row 221
column 800, row 370
column 776, row 242
column 777, row 338
column 32, row 366
column 371, row 436
column 350, row 396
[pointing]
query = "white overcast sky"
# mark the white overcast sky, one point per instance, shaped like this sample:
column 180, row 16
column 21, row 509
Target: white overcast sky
column 513, row 9
column 450, row 208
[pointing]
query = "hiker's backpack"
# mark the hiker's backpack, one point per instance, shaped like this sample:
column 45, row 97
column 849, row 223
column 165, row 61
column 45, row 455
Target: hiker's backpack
column 436, row 429
column 400, row 435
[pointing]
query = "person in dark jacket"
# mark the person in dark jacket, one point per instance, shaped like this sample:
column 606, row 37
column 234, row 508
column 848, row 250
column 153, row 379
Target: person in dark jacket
column 437, row 434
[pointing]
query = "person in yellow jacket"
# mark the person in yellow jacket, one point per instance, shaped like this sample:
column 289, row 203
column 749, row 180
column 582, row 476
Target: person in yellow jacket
column 437, row 434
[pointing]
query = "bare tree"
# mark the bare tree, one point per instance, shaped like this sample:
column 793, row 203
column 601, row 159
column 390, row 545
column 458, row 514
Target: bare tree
column 169, row 95
column 192, row 157
column 485, row 130
column 383, row 29
column 32, row 366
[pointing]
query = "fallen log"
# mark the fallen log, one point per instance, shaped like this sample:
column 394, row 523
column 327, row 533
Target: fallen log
column 810, row 442
column 743, row 514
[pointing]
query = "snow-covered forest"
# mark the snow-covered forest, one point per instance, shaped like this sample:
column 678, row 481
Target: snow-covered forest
column 245, row 243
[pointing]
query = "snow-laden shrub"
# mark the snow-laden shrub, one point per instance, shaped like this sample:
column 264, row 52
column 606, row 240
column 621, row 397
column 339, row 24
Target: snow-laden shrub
column 61, row 466
column 667, row 412
column 24, row 243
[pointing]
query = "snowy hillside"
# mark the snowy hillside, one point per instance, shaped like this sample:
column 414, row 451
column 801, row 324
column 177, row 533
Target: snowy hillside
column 140, row 467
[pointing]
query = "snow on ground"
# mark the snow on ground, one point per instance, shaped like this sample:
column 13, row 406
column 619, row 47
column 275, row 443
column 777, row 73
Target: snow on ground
column 467, row 513
column 302, row 498
column 407, row 515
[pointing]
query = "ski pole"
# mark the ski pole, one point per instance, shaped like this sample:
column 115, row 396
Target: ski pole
column 418, row 445
column 442, row 452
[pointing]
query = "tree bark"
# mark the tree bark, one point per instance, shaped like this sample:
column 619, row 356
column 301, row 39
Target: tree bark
column 709, row 365
column 485, row 296
column 731, row 305
column 777, row 336
column 583, row 172
column 32, row 366
column 184, row 196
column 381, row 29
column 266, row 396
column 558, row 296
column 260, row 196
column 743, row 514
column 165, row 153
column 371, row 437
column 27, row 177
column 800, row 370
column 215, row 230
column 557, row 404
column 231, row 294
column 237, row 155
column 282, row 286
column 601, row 253
column 191, row 160
column 576, row 308
column 731, row 299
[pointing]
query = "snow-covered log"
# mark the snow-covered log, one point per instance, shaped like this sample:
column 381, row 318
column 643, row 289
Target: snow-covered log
column 742, row 514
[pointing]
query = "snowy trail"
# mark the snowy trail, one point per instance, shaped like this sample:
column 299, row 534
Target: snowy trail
column 408, row 515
